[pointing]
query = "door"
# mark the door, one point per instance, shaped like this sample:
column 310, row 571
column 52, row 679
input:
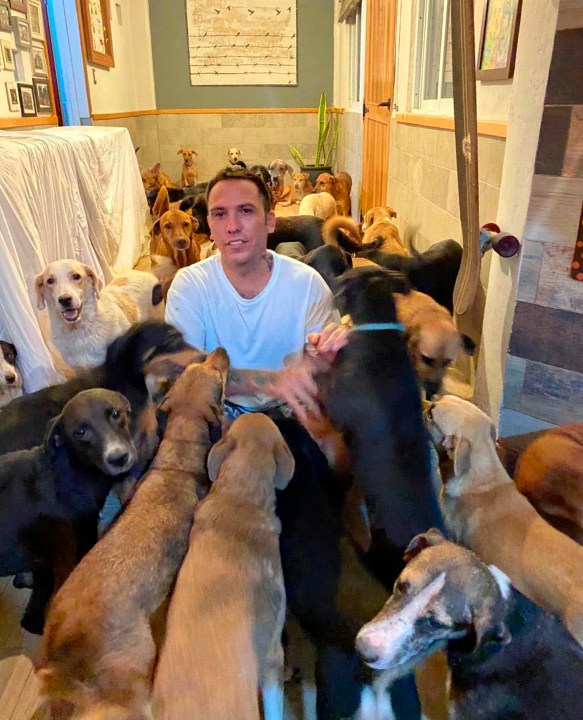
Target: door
column 379, row 77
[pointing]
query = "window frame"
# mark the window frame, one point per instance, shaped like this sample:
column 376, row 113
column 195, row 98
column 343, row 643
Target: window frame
column 440, row 105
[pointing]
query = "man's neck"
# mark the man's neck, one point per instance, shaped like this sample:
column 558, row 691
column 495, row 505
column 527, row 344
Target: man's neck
column 250, row 279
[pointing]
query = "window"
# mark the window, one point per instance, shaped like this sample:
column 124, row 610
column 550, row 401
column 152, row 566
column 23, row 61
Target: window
column 354, row 27
column 434, row 71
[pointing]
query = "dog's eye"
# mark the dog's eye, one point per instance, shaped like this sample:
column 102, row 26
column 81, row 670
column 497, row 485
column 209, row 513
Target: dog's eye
column 168, row 226
column 115, row 414
column 50, row 281
column 76, row 276
column 427, row 360
column 80, row 431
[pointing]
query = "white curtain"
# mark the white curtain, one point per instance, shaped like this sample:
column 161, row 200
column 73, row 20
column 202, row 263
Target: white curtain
column 72, row 192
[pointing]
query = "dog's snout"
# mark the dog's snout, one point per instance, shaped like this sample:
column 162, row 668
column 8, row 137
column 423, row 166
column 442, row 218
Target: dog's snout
column 181, row 244
column 367, row 649
column 65, row 300
column 431, row 389
column 10, row 378
column 117, row 460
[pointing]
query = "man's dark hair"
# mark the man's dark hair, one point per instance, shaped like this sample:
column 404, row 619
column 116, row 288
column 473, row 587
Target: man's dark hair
column 236, row 173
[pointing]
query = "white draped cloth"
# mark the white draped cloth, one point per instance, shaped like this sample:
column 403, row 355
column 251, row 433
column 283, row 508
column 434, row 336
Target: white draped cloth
column 71, row 192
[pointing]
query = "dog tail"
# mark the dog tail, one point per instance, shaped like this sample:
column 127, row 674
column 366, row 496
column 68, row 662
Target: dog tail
column 342, row 232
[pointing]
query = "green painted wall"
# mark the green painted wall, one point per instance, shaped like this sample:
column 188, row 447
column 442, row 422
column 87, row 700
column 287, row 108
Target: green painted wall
column 315, row 21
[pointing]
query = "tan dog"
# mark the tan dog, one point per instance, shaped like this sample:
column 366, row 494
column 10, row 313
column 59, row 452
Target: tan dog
column 153, row 178
column 85, row 316
column 189, row 171
column 485, row 512
column 300, row 188
column 550, row 474
column 97, row 651
column 223, row 633
column 382, row 235
column 433, row 339
column 339, row 186
column 377, row 213
column 320, row 205
column 233, row 155
column 174, row 235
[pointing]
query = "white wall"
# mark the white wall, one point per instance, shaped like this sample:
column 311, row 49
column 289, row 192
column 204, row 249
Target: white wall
column 130, row 84
column 493, row 98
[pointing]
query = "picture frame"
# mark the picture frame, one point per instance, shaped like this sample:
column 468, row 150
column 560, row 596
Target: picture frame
column 97, row 32
column 19, row 5
column 42, row 95
column 498, row 39
column 26, row 100
column 5, row 19
column 38, row 61
column 21, row 30
column 35, row 20
column 7, row 54
column 12, row 95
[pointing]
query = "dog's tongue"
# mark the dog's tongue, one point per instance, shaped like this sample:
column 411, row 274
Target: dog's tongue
column 71, row 315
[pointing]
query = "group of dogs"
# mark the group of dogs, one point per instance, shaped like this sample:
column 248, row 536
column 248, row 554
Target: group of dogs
column 178, row 609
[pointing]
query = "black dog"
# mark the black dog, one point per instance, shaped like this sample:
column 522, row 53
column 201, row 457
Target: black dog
column 51, row 496
column 23, row 421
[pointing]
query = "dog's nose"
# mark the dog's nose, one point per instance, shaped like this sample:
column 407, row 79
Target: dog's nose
column 10, row 378
column 181, row 244
column 431, row 389
column 117, row 459
column 65, row 300
column 364, row 648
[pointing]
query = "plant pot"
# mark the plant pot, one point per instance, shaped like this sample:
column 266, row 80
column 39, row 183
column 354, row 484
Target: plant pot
column 315, row 170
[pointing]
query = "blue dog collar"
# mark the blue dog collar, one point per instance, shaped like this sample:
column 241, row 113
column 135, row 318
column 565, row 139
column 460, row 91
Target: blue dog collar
column 379, row 326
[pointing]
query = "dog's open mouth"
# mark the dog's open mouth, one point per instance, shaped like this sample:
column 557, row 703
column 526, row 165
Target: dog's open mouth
column 71, row 315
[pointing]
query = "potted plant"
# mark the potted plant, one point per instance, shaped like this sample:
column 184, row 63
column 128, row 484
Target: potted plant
column 328, row 126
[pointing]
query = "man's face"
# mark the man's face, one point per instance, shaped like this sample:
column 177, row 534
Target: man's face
column 238, row 222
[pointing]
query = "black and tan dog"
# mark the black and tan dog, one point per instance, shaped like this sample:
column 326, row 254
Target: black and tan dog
column 98, row 651
column 10, row 376
column 507, row 657
column 51, row 496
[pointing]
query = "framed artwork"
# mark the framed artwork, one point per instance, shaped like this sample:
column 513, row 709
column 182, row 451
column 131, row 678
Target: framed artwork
column 26, row 98
column 38, row 61
column 21, row 32
column 498, row 39
column 42, row 95
column 12, row 95
column 97, row 32
column 18, row 5
column 7, row 56
column 5, row 22
column 35, row 19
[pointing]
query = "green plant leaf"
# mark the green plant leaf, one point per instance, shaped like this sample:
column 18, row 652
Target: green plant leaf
column 321, row 126
column 297, row 156
column 334, row 141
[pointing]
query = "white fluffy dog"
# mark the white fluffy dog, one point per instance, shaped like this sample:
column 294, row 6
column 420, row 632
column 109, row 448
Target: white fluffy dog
column 84, row 318
column 320, row 204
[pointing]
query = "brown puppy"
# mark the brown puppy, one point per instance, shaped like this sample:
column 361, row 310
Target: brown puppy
column 433, row 339
column 377, row 213
column 174, row 234
column 223, row 633
column 153, row 178
column 300, row 187
column 484, row 511
column 550, row 475
column 189, row 171
column 97, row 650
column 382, row 235
column 339, row 187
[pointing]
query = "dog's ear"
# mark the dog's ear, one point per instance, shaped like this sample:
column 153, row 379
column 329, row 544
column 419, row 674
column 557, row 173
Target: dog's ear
column 161, row 203
column 421, row 542
column 39, row 289
column 468, row 345
column 290, row 169
column 217, row 455
column 54, row 436
column 285, row 465
column 155, row 168
column 180, row 152
column 462, row 457
column 392, row 212
column 489, row 629
column 97, row 281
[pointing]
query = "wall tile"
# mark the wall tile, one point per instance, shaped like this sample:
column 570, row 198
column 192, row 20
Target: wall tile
column 515, row 423
column 573, row 161
column 565, row 84
column 553, row 140
column 556, row 287
column 513, row 380
column 530, row 264
column 552, row 394
column 554, row 210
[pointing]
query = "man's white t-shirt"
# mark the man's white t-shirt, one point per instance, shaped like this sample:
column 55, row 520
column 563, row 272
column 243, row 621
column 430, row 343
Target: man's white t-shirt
column 264, row 333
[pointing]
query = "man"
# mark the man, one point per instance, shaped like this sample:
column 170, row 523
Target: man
column 260, row 306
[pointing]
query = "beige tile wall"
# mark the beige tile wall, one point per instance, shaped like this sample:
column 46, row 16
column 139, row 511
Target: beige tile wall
column 261, row 138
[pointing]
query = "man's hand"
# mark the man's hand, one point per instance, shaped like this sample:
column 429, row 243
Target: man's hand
column 327, row 343
column 296, row 386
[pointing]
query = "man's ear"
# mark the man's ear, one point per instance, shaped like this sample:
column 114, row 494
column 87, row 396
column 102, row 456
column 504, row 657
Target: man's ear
column 284, row 465
column 97, row 281
column 420, row 542
column 462, row 457
column 54, row 436
column 39, row 289
column 217, row 456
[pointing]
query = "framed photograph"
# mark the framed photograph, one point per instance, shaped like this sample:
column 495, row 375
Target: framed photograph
column 42, row 95
column 12, row 95
column 7, row 56
column 18, row 5
column 498, row 39
column 26, row 98
column 35, row 19
column 38, row 61
column 21, row 32
column 5, row 22
column 97, row 32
